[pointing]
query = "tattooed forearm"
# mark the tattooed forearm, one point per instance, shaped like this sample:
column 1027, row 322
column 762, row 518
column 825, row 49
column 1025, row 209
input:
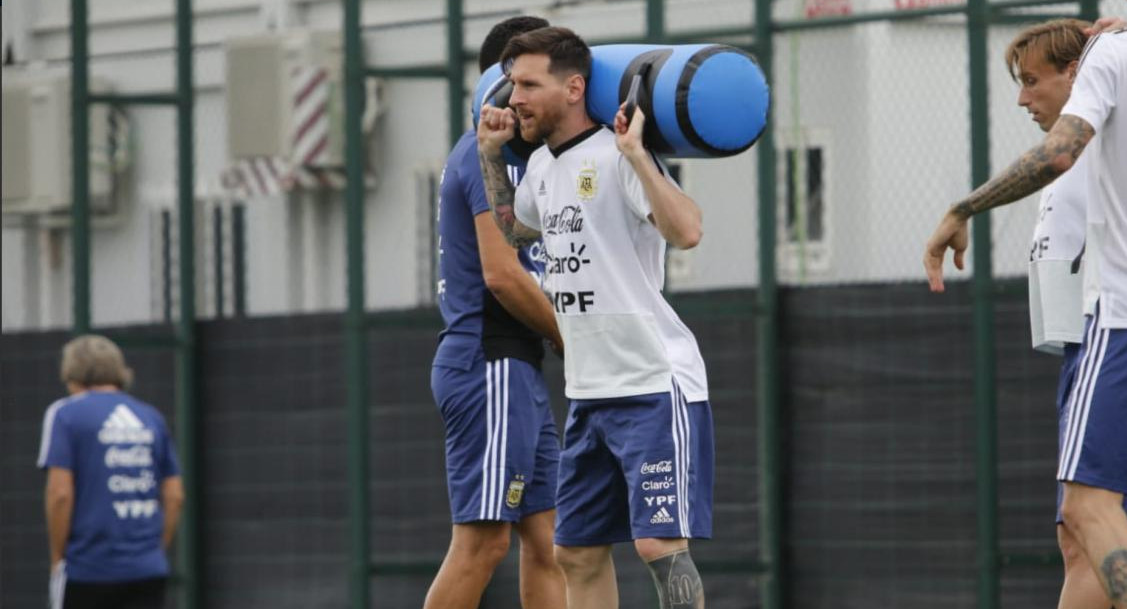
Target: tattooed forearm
column 500, row 193
column 1114, row 570
column 1034, row 170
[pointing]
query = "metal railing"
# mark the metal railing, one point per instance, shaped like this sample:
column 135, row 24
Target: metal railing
column 771, row 567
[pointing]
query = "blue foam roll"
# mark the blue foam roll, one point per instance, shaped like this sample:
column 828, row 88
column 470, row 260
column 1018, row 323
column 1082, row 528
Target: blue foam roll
column 700, row 100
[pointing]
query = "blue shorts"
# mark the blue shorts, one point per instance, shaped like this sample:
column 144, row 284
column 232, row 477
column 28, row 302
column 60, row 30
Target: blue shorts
column 634, row 468
column 1094, row 447
column 1064, row 388
column 502, row 449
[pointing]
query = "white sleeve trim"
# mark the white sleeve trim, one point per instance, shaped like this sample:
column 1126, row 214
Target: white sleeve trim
column 48, row 428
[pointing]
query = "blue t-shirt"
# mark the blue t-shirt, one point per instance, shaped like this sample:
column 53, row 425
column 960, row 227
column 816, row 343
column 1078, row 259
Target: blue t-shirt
column 475, row 321
column 119, row 450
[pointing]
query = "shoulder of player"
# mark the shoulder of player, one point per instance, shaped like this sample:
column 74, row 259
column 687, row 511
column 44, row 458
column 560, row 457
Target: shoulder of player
column 55, row 410
column 145, row 408
column 67, row 403
column 1105, row 47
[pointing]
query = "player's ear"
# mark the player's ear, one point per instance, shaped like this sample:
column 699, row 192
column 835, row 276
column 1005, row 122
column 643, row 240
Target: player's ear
column 1072, row 66
column 576, row 88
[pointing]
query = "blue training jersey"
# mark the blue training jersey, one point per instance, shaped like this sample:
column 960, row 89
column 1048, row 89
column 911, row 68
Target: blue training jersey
column 475, row 321
column 119, row 450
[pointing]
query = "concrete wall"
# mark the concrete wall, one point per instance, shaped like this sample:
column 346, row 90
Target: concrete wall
column 888, row 102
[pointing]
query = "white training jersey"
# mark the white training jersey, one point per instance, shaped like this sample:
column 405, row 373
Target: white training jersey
column 1056, row 312
column 605, row 270
column 1099, row 97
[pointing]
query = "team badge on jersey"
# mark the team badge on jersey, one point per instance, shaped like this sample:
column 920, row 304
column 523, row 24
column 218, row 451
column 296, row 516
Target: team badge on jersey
column 588, row 183
column 516, row 493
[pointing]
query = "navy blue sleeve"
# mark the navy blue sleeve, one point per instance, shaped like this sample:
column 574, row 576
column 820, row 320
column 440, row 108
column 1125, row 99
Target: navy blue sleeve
column 473, row 186
column 169, row 464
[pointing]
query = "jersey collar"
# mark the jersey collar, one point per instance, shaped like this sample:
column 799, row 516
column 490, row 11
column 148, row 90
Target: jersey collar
column 573, row 142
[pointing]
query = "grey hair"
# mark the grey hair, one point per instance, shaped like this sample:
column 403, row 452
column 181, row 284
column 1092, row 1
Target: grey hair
column 92, row 360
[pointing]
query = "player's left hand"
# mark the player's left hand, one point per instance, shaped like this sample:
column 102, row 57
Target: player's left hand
column 628, row 138
column 951, row 232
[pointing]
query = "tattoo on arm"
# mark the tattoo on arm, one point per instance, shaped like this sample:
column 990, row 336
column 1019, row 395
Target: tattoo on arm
column 678, row 582
column 1114, row 570
column 1034, row 170
column 501, row 194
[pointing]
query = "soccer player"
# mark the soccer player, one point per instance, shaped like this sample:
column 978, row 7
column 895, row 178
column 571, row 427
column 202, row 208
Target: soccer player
column 1093, row 459
column 502, row 449
column 637, row 462
column 114, row 493
column 1043, row 60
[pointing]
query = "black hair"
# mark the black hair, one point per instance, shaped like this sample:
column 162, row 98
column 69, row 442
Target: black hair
column 500, row 35
column 566, row 51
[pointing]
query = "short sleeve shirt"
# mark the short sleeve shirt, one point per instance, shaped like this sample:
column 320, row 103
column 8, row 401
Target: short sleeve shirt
column 119, row 451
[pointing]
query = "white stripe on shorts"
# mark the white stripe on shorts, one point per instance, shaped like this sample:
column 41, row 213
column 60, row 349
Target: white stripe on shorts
column 1080, row 402
column 1082, row 374
column 496, row 431
column 503, row 449
column 682, row 444
column 486, row 471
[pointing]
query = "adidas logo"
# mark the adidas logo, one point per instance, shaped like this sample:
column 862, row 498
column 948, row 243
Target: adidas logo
column 543, row 190
column 661, row 517
column 123, row 427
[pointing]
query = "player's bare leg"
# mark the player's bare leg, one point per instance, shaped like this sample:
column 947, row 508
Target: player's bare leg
column 1096, row 518
column 475, row 551
column 541, row 579
column 1082, row 588
column 675, row 576
column 589, row 573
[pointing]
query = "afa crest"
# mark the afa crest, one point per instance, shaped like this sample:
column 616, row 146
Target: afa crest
column 588, row 184
column 515, row 494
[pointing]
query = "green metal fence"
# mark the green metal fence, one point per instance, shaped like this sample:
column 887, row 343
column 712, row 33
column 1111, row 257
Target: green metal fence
column 979, row 16
column 183, row 342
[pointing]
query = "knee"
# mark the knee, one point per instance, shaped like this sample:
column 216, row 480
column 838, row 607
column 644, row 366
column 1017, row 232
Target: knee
column 540, row 555
column 650, row 550
column 1070, row 550
column 493, row 549
column 1084, row 508
column 582, row 563
column 1077, row 510
column 485, row 549
column 536, row 540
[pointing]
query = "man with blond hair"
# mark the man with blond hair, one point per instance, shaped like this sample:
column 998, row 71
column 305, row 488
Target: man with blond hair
column 1043, row 59
column 114, row 492
column 1093, row 455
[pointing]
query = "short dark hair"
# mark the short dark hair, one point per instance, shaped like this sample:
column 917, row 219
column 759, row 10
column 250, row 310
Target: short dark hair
column 500, row 35
column 566, row 51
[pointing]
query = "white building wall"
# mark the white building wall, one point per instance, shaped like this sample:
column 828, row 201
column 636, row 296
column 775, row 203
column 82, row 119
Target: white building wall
column 889, row 102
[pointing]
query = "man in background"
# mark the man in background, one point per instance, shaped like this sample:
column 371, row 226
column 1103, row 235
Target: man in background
column 114, row 492
column 502, row 449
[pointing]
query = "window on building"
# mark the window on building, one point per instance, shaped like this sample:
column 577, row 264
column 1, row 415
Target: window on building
column 804, row 229
column 805, row 195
